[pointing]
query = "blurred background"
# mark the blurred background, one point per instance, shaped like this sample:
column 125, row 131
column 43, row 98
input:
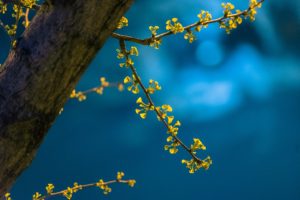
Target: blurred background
column 239, row 93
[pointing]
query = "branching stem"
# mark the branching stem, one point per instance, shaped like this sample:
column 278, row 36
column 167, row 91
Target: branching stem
column 147, row 41
column 151, row 103
column 81, row 187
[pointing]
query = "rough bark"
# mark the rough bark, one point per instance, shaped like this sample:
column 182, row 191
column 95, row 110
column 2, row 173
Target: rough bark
column 40, row 73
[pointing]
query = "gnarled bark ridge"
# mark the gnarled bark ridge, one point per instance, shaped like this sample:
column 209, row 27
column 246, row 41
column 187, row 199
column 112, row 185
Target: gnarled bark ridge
column 40, row 73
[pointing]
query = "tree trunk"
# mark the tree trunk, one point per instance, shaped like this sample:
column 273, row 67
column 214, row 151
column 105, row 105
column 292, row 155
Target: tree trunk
column 40, row 73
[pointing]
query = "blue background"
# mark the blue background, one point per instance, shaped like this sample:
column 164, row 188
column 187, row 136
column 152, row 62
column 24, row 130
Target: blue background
column 239, row 93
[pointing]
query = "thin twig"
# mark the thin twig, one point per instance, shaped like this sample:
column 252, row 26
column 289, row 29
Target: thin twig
column 80, row 187
column 27, row 17
column 147, row 41
column 151, row 103
column 16, row 24
column 95, row 88
column 35, row 6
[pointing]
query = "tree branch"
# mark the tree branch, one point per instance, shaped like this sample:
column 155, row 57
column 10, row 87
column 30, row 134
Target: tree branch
column 42, row 70
column 148, row 40
column 151, row 103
